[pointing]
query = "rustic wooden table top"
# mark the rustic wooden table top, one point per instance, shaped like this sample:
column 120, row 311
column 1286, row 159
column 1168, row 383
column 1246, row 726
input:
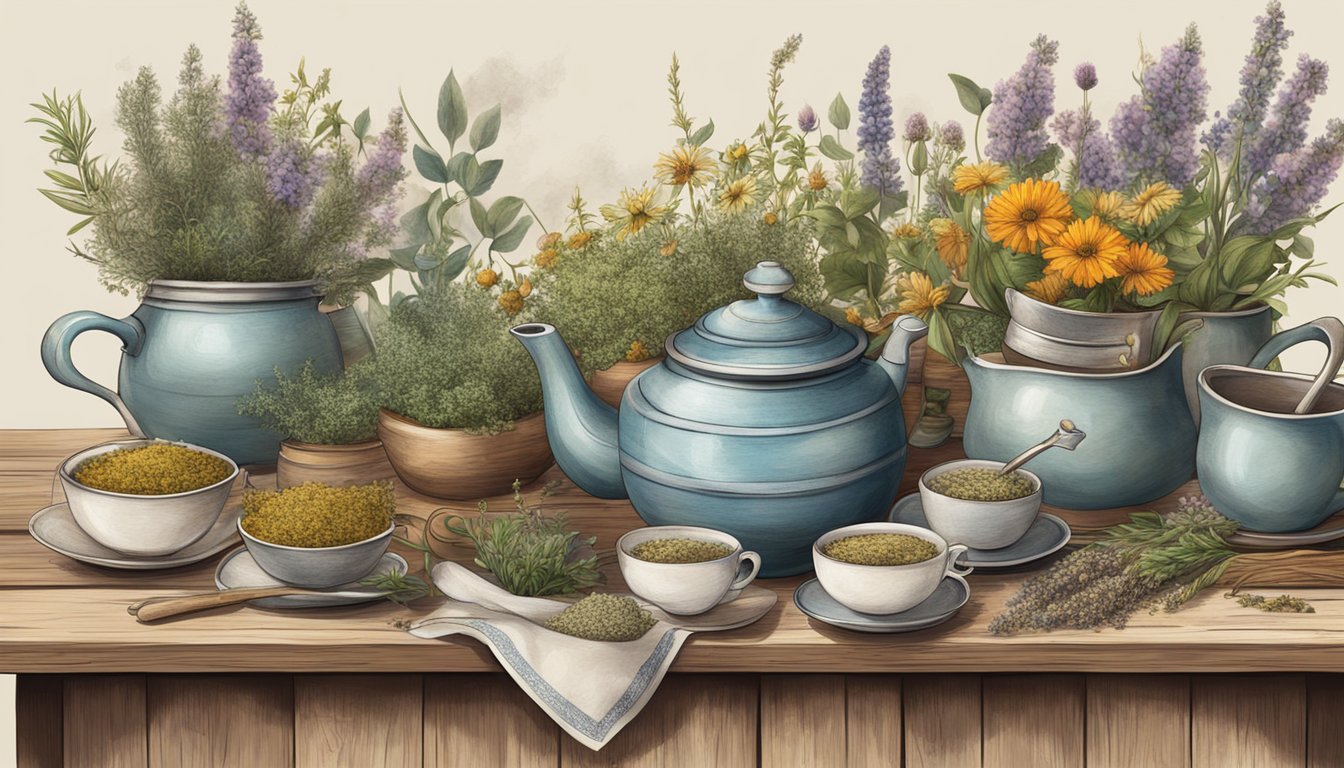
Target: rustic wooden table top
column 58, row 615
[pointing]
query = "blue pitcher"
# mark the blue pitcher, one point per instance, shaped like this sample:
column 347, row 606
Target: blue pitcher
column 1271, row 445
column 191, row 349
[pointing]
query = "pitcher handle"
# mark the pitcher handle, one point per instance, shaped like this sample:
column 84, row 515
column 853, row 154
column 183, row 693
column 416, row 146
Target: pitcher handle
column 56, row 354
column 1327, row 330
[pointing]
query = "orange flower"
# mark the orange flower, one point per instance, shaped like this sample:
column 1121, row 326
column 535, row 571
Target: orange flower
column 853, row 317
column 548, row 240
column 979, row 177
column 578, row 240
column 816, row 179
column 919, row 297
column 546, row 258
column 1029, row 213
column 953, row 244
column 1086, row 252
column 1050, row 289
column 1143, row 270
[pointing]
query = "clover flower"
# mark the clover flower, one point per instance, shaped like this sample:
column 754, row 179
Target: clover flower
column 950, row 135
column 1085, row 76
column 917, row 128
column 1022, row 104
column 807, row 119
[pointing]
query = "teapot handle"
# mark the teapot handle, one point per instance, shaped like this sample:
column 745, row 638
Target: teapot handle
column 1327, row 330
column 56, row 355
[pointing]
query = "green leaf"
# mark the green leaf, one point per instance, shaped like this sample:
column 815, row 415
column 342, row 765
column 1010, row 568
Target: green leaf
column 919, row 158
column 891, row 204
column 852, row 234
column 485, row 128
column 830, row 147
column 429, row 164
column 452, row 109
column 405, row 257
column 481, row 218
column 1044, row 163
column 858, row 202
column 838, row 114
column 432, row 216
column 827, row 215
column 361, row 125
column 79, row 226
column 844, row 275
column 414, row 125
column 1303, row 246
column 1246, row 260
column 940, row 337
column 510, row 240
column 455, row 263
column 415, row 223
column 480, row 177
column 457, row 166
column 68, row 203
column 64, row 180
column 974, row 98
column 702, row 135
column 503, row 211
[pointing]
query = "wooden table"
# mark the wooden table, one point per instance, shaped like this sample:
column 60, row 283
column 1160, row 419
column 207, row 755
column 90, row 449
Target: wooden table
column 1214, row 685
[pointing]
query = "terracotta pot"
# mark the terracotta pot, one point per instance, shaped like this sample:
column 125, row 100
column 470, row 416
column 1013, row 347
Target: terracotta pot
column 452, row 464
column 336, row 465
column 609, row 383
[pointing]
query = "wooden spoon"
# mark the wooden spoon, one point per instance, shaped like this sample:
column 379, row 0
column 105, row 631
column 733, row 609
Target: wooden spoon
column 156, row 608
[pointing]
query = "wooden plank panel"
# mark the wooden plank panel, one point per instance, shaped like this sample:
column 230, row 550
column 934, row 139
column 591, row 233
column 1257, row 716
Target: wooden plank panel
column 358, row 721
column 221, row 721
column 802, row 721
column 700, row 720
column 474, row 720
column 872, row 720
column 1034, row 720
column 42, row 449
column 39, row 704
column 105, row 721
column 29, row 564
column 1250, row 721
column 1138, row 720
column 1325, row 712
column 942, row 721
column 22, row 494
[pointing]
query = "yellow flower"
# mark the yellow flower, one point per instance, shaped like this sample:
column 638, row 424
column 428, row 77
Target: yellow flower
column 525, row 288
column 511, row 302
column 1105, row 205
column 853, row 317
column 1143, row 270
column 1085, row 254
column 816, row 179
column 770, row 218
column 1050, row 289
column 979, row 177
column 736, row 152
column 637, row 352
column 906, row 230
column 1028, row 213
column 669, row 248
column 548, row 240
column 1149, row 205
column 919, row 297
column 685, row 165
column 953, row 244
column 635, row 210
column 738, row 196
column 486, row 278
column 578, row 240
column 546, row 258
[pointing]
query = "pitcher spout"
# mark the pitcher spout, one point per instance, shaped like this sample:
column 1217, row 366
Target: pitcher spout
column 580, row 427
column 895, row 359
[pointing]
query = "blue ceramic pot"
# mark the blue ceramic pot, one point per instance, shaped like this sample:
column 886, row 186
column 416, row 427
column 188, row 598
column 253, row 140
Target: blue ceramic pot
column 1222, row 338
column 191, row 349
column 1140, row 437
column 765, row 422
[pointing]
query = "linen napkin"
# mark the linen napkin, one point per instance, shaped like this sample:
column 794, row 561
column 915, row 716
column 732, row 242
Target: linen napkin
column 591, row 688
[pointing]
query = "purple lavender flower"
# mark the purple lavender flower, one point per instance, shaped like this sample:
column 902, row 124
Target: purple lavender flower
column 807, row 119
column 382, row 172
column 1296, row 182
column 248, row 104
column 880, row 169
column 1154, row 132
column 951, row 136
column 1085, row 76
column 292, row 175
column 1022, row 104
column 917, row 128
column 1259, row 75
column 1092, row 149
column 1286, row 129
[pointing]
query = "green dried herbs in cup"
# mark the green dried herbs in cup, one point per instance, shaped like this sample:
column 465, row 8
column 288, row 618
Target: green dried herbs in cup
column 608, row 618
column 881, row 549
column 680, row 551
column 980, row 484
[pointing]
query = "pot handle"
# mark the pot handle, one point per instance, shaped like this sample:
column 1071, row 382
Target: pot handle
column 1327, row 330
column 56, row 354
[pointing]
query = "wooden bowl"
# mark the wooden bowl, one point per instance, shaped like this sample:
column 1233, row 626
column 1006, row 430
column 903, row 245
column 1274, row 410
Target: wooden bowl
column 335, row 465
column 452, row 464
column 609, row 383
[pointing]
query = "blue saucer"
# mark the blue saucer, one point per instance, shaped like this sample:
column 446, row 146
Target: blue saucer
column 813, row 600
column 1046, row 536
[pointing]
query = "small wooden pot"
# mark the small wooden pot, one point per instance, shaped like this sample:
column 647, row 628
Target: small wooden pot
column 335, row 465
column 452, row 464
column 941, row 373
column 609, row 383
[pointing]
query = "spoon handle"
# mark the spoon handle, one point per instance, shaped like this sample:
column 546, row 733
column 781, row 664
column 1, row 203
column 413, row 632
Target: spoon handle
column 156, row 608
column 1068, row 436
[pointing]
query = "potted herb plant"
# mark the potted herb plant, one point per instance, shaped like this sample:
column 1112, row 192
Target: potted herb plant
column 229, row 197
column 330, row 424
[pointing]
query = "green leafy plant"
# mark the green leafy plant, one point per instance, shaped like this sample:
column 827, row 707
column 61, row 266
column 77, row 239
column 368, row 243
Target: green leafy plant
column 312, row 408
column 446, row 360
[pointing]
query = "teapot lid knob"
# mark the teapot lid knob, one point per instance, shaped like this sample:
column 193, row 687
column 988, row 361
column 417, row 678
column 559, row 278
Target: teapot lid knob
column 768, row 278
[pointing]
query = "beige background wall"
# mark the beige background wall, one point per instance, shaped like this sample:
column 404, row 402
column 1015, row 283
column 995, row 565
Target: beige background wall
column 582, row 85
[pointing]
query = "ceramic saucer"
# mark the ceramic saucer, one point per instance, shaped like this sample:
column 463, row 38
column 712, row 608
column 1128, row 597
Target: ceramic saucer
column 942, row 605
column 1328, row 531
column 1046, row 536
column 238, row 569
column 55, row 528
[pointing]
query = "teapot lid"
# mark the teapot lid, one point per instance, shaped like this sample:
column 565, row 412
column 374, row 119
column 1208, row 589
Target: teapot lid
column 768, row 337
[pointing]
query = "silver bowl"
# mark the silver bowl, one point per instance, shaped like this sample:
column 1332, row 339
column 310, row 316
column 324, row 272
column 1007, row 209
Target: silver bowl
column 143, row 526
column 318, row 567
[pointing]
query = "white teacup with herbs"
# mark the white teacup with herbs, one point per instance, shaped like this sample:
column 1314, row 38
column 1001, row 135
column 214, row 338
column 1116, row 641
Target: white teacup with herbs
column 684, row 569
column 884, row 568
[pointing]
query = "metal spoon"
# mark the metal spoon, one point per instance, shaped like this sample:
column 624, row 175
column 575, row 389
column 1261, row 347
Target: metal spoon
column 1067, row 436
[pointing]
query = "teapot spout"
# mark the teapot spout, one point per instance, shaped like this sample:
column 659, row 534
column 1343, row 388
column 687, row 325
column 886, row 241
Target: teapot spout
column 580, row 427
column 895, row 359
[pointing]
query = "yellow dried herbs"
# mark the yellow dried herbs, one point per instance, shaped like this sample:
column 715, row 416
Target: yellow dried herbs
column 316, row 515
column 608, row 618
column 680, row 551
column 881, row 549
column 152, row 470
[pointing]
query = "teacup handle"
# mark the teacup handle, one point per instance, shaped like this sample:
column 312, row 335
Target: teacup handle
column 748, row 565
column 1327, row 330
column 955, row 551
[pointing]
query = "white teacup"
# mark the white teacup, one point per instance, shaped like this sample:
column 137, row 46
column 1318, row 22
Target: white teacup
column 884, row 589
column 686, row 589
column 978, row 524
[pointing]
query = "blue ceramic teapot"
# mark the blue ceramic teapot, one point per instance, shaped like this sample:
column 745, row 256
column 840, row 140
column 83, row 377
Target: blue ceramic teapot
column 765, row 421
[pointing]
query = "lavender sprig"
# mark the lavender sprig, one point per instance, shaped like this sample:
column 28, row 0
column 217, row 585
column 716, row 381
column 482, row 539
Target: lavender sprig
column 1296, row 183
column 881, row 170
column 1022, row 104
column 1259, row 76
column 1154, row 131
column 1286, row 129
column 249, row 102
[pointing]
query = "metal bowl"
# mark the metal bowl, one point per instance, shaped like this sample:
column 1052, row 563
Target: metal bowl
column 143, row 526
column 318, row 567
